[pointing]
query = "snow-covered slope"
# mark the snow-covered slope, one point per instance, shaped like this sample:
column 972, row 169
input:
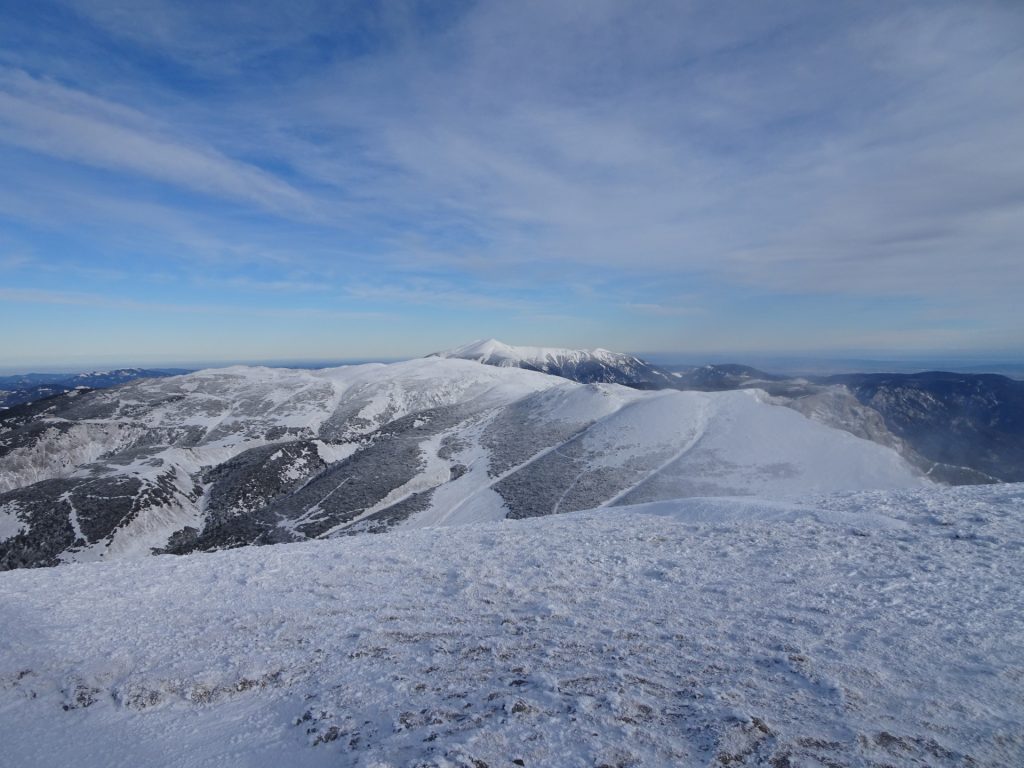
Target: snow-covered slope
column 960, row 428
column 582, row 365
column 922, row 434
column 867, row 629
column 243, row 456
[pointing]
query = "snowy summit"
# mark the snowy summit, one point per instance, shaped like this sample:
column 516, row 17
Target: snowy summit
column 583, row 365
column 494, row 352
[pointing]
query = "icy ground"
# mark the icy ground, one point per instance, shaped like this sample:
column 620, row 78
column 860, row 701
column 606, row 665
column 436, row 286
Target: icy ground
column 867, row 629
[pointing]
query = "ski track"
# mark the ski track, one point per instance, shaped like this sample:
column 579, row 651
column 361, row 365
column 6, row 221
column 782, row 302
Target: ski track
column 703, row 418
column 536, row 457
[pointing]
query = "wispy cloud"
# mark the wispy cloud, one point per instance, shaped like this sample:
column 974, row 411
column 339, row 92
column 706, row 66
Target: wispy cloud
column 493, row 156
column 14, row 260
column 106, row 302
column 437, row 293
column 53, row 120
column 664, row 310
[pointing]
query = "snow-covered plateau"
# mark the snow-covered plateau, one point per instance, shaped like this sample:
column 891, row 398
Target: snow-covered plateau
column 874, row 628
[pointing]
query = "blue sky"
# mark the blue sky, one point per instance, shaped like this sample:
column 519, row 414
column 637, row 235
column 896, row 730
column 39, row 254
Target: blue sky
column 228, row 181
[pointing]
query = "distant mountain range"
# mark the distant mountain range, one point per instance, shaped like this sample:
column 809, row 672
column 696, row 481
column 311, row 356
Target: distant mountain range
column 958, row 427
column 249, row 455
column 241, row 456
column 582, row 365
column 29, row 387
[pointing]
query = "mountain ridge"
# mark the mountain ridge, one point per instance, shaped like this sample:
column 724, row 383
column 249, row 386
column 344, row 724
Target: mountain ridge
column 239, row 456
column 30, row 387
column 960, row 428
column 583, row 365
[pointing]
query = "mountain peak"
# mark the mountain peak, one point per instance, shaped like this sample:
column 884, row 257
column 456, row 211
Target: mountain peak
column 493, row 347
column 584, row 365
column 480, row 347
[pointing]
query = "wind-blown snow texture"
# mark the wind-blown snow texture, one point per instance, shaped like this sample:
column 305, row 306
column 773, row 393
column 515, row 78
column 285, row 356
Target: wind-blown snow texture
column 866, row 629
column 240, row 456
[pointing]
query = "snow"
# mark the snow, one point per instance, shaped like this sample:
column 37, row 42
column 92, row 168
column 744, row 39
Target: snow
column 494, row 352
column 140, row 535
column 776, row 452
column 331, row 453
column 435, row 472
column 468, row 499
column 60, row 454
column 236, row 406
column 861, row 629
column 10, row 525
column 673, row 444
column 570, row 402
column 745, row 509
column 523, row 443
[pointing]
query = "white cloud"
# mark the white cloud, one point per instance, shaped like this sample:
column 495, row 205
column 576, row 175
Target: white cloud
column 48, row 118
column 106, row 302
column 872, row 149
column 866, row 149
